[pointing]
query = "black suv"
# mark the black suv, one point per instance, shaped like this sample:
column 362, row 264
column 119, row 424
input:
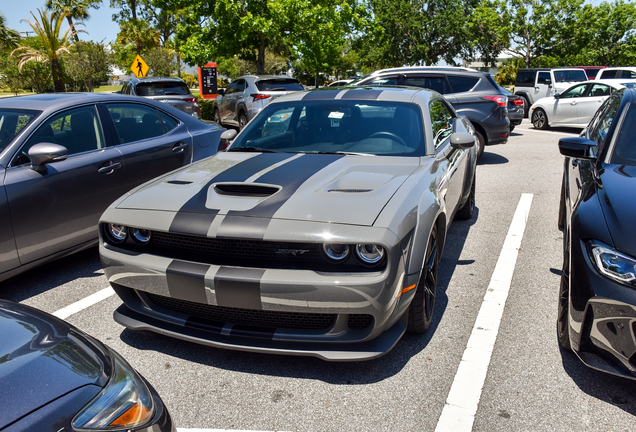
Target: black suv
column 171, row 91
column 473, row 94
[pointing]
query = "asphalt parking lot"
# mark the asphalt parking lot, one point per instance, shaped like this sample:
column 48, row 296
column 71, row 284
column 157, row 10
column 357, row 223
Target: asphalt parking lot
column 529, row 383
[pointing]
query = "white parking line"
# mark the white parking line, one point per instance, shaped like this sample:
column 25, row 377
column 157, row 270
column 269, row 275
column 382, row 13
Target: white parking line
column 546, row 132
column 84, row 303
column 213, row 430
column 459, row 411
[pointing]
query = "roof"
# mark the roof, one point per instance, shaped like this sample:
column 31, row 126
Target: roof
column 155, row 79
column 426, row 69
column 54, row 101
column 362, row 93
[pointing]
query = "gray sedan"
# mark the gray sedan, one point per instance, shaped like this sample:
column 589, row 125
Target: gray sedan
column 65, row 157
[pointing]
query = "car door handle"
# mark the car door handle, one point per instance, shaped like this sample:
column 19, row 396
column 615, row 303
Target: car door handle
column 573, row 103
column 108, row 169
column 179, row 147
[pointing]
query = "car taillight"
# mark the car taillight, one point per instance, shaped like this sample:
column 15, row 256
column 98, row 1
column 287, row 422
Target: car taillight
column 257, row 96
column 499, row 99
column 517, row 102
column 191, row 100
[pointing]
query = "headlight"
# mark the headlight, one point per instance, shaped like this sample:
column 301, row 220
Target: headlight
column 613, row 264
column 370, row 254
column 117, row 233
column 335, row 252
column 141, row 236
column 124, row 403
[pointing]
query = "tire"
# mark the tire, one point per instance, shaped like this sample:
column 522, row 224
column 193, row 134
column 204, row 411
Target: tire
column 481, row 144
column 467, row 210
column 217, row 117
column 526, row 107
column 563, row 313
column 422, row 307
column 512, row 127
column 242, row 120
column 562, row 210
column 540, row 119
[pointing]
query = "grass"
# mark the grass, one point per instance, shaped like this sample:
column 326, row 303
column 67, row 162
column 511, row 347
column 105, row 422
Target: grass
column 108, row 88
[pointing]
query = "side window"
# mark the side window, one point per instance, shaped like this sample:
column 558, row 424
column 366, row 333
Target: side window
column 240, row 86
column 442, row 122
column 168, row 122
column 436, row 83
column 544, row 78
column 628, row 74
column 461, row 84
column 525, row 78
column 231, row 88
column 385, row 80
column 135, row 122
column 599, row 90
column 574, row 92
column 604, row 121
column 611, row 74
column 79, row 130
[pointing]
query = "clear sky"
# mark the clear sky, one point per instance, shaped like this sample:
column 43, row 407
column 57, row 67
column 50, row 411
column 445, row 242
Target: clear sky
column 100, row 26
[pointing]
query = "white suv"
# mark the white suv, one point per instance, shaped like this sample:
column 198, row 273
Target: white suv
column 617, row 73
column 537, row 83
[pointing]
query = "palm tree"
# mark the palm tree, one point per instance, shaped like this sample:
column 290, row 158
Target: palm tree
column 47, row 30
column 139, row 33
column 73, row 9
column 8, row 37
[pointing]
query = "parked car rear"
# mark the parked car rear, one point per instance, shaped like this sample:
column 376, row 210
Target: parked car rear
column 171, row 91
column 246, row 96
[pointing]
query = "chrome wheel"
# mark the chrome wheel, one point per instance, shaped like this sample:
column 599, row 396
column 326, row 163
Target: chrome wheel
column 242, row 121
column 539, row 119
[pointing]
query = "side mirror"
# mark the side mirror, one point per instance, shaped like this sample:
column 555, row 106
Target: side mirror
column 557, row 96
column 226, row 139
column 460, row 140
column 44, row 153
column 220, row 92
column 577, row 148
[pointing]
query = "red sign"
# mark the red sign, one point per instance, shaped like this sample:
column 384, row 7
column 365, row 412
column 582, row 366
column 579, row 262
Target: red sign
column 207, row 81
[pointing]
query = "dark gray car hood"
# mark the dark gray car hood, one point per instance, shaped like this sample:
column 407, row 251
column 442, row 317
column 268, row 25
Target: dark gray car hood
column 41, row 359
column 618, row 200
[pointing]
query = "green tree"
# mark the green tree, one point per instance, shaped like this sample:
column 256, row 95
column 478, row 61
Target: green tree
column 73, row 10
column 161, row 62
column 54, row 44
column 87, row 65
column 9, row 38
column 139, row 34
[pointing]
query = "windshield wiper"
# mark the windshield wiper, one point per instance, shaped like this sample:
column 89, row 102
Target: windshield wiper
column 251, row 149
column 340, row 153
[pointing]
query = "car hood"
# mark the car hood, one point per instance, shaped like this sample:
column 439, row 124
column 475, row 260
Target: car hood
column 346, row 189
column 41, row 359
column 618, row 200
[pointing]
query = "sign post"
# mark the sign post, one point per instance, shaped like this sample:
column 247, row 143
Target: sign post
column 139, row 67
column 208, row 81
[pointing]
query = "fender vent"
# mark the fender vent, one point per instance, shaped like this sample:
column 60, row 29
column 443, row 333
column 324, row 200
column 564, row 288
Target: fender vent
column 350, row 190
column 245, row 190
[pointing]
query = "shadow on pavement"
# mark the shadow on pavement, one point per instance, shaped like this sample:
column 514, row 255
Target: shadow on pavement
column 491, row 159
column 85, row 264
column 312, row 368
column 606, row 387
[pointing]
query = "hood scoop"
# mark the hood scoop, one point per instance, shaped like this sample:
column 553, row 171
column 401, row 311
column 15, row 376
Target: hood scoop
column 179, row 182
column 245, row 189
column 350, row 190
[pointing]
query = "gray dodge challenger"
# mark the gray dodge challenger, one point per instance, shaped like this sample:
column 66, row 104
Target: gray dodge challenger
column 317, row 231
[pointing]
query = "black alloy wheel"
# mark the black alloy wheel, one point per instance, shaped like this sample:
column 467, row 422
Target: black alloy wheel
column 563, row 314
column 242, row 120
column 481, row 144
column 540, row 119
column 562, row 210
column 423, row 305
column 467, row 210
column 217, row 117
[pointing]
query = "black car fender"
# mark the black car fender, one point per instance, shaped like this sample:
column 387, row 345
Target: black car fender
column 429, row 212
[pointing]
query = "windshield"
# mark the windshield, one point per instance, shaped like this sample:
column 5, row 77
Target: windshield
column 625, row 149
column 279, row 85
column 12, row 121
column 162, row 88
column 340, row 126
column 573, row 75
column 629, row 84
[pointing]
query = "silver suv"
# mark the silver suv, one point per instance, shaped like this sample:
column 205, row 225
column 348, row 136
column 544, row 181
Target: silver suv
column 247, row 95
column 171, row 91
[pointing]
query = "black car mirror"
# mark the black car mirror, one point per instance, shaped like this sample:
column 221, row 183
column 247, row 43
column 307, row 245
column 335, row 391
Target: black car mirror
column 220, row 92
column 226, row 139
column 577, row 148
column 44, row 153
column 557, row 96
column 460, row 140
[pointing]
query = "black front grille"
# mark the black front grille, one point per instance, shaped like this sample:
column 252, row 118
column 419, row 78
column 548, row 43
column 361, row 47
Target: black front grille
column 247, row 317
column 245, row 189
column 219, row 249
column 360, row 321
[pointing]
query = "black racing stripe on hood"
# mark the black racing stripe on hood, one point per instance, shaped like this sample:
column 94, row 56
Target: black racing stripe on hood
column 290, row 177
column 362, row 94
column 321, row 94
column 195, row 218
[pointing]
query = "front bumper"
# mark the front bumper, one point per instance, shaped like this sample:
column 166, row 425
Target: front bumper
column 602, row 318
column 208, row 304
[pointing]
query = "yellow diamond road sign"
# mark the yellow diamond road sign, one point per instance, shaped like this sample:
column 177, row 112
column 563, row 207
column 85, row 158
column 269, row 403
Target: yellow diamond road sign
column 139, row 67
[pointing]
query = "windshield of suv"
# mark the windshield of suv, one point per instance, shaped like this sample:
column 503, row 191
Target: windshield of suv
column 12, row 121
column 279, row 85
column 159, row 88
column 336, row 126
column 570, row 75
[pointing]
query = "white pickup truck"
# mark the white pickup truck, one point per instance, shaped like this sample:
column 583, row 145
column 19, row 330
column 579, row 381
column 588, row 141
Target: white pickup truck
column 534, row 84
